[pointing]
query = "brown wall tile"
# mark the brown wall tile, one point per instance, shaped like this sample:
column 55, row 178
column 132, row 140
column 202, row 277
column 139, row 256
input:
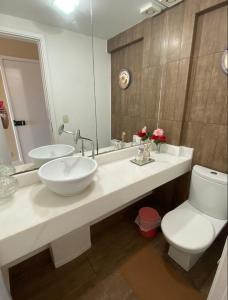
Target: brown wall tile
column 211, row 32
column 178, row 60
column 174, row 19
column 169, row 86
column 126, row 104
column 205, row 4
column 190, row 10
column 172, row 130
column 153, row 40
column 220, row 158
column 205, row 121
column 150, row 93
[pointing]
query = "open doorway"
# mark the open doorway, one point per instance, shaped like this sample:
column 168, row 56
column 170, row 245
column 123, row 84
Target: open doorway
column 22, row 100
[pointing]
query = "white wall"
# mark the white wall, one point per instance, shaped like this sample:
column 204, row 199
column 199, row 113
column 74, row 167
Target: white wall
column 103, row 92
column 219, row 289
column 71, row 81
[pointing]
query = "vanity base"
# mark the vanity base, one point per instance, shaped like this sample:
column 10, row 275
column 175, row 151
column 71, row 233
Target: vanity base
column 70, row 246
column 185, row 260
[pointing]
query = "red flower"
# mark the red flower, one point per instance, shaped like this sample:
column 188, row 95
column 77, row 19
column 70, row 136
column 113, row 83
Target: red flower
column 141, row 134
column 158, row 139
column 162, row 138
column 154, row 137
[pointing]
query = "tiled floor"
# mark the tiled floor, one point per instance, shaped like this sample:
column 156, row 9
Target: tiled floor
column 96, row 274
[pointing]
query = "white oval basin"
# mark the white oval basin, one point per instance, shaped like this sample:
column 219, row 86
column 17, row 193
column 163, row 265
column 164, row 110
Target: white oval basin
column 44, row 154
column 68, row 175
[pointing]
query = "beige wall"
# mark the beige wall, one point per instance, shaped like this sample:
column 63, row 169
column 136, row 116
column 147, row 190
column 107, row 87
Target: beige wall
column 20, row 49
column 17, row 48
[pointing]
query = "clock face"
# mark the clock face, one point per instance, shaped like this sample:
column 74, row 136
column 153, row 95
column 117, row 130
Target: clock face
column 124, row 79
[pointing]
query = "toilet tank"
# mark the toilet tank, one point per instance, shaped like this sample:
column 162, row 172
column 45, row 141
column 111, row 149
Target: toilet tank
column 208, row 192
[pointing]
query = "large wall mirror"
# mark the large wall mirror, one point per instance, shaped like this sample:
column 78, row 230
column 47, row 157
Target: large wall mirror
column 76, row 64
column 46, row 79
column 129, row 73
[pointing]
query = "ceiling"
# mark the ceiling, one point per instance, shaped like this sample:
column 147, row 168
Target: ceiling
column 110, row 16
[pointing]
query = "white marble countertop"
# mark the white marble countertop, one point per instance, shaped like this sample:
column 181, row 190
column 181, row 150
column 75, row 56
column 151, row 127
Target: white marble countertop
column 35, row 216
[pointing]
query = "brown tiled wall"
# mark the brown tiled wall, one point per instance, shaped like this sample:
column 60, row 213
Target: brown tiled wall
column 205, row 119
column 159, row 52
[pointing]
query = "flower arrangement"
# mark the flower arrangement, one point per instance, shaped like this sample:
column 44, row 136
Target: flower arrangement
column 144, row 134
column 158, row 136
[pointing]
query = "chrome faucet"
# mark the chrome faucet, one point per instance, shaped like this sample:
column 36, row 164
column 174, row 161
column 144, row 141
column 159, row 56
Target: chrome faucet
column 77, row 136
column 61, row 130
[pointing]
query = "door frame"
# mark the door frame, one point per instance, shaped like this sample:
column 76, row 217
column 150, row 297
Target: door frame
column 11, row 113
column 45, row 72
column 9, row 101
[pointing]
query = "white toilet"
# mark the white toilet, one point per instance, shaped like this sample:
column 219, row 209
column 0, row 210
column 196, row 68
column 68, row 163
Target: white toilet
column 193, row 226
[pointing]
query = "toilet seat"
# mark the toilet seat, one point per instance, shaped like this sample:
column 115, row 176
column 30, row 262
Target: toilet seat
column 188, row 230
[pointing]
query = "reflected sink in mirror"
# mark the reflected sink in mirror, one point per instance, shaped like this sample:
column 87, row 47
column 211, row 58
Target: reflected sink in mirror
column 68, row 175
column 42, row 155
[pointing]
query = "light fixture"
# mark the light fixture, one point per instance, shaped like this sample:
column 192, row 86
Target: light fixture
column 169, row 3
column 66, row 6
column 224, row 62
column 150, row 9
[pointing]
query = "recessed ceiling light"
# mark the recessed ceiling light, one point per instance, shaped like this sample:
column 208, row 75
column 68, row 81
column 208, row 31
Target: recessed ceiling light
column 66, row 6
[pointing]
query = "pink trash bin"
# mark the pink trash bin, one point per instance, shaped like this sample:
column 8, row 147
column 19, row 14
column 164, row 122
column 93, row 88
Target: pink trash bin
column 148, row 220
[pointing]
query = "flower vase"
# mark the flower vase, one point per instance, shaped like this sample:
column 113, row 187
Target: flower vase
column 158, row 147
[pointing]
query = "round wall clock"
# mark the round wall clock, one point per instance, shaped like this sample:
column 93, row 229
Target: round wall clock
column 124, row 79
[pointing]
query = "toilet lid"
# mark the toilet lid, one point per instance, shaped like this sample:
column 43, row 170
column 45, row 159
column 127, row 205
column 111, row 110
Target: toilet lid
column 187, row 230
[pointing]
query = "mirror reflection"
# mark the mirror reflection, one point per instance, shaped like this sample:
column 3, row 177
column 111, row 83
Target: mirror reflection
column 131, row 78
column 25, row 121
column 73, row 79
column 146, row 45
column 46, row 80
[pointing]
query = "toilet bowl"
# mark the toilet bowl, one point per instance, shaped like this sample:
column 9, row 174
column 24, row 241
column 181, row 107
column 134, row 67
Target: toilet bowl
column 192, row 227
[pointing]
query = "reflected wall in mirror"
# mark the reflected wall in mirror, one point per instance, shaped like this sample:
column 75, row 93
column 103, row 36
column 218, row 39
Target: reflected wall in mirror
column 23, row 101
column 177, row 83
column 46, row 76
column 133, row 43
column 82, row 53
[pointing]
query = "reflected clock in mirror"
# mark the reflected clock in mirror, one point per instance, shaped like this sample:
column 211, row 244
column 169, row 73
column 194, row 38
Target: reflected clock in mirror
column 124, row 79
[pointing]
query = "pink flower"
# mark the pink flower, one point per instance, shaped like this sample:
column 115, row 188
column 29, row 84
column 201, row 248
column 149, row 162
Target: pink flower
column 158, row 132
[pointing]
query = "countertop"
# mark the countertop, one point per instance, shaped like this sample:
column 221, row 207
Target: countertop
column 35, row 216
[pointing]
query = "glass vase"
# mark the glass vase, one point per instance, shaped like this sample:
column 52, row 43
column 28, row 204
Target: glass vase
column 158, row 147
column 8, row 186
column 6, row 170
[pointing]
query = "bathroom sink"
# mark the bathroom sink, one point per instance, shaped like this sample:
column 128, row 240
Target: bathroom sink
column 44, row 154
column 68, row 175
